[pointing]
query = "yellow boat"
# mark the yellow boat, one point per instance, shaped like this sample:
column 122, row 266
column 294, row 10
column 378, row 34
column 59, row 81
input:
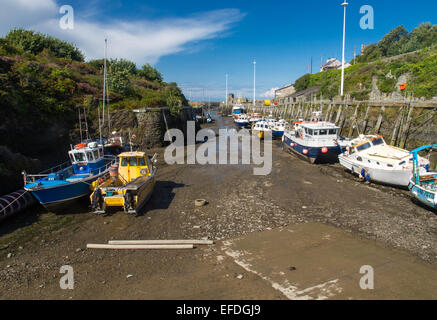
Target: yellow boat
column 129, row 185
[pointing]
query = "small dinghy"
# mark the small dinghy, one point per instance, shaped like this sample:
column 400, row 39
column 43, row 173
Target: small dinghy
column 423, row 186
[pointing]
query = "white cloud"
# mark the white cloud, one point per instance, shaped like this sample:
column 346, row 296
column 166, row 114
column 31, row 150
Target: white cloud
column 270, row 93
column 25, row 13
column 139, row 41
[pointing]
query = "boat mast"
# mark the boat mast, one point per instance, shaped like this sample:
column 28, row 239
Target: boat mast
column 80, row 126
column 107, row 92
column 86, row 125
column 104, row 91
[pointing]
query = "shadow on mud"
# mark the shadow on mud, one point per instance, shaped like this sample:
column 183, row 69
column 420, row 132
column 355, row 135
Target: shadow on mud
column 162, row 196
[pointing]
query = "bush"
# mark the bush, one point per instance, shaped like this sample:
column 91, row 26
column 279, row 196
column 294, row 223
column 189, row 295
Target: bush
column 35, row 42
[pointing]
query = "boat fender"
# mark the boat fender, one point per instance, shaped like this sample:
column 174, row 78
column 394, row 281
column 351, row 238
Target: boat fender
column 368, row 177
column 363, row 173
column 97, row 200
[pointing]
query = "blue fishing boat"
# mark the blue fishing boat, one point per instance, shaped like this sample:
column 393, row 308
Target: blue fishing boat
column 242, row 121
column 71, row 180
column 316, row 141
column 423, row 186
column 279, row 128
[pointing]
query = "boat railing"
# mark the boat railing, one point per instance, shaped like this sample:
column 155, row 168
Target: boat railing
column 97, row 171
column 57, row 168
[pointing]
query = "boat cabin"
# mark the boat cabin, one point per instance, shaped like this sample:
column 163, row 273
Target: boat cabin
column 317, row 130
column 86, row 157
column 133, row 165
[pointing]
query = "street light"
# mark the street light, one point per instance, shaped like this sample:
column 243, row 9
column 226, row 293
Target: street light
column 226, row 90
column 344, row 5
column 254, row 83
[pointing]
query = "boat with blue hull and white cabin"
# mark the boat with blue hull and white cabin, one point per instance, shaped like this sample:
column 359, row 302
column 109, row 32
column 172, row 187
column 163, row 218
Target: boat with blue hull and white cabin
column 71, row 180
column 279, row 128
column 316, row 141
column 423, row 186
column 242, row 121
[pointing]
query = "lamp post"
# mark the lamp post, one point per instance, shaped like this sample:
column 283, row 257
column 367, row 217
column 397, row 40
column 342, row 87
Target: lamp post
column 254, row 83
column 226, row 90
column 344, row 5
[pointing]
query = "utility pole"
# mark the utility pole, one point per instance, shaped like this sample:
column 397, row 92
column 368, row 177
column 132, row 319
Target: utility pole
column 344, row 5
column 254, row 83
column 226, row 90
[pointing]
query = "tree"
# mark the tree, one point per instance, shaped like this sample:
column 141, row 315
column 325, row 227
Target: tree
column 35, row 42
column 119, row 79
column 389, row 43
column 150, row 73
column 303, row 82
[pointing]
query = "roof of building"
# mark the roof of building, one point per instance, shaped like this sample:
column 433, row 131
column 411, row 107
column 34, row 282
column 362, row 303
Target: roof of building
column 306, row 91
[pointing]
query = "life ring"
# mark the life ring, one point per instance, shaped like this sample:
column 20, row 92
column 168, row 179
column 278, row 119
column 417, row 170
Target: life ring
column 81, row 145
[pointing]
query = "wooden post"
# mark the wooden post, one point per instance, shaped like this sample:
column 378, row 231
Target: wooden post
column 406, row 128
column 366, row 120
column 396, row 127
column 379, row 122
column 338, row 114
column 353, row 120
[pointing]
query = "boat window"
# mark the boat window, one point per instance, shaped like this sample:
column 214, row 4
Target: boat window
column 79, row 157
column 89, row 155
column 323, row 132
column 96, row 154
column 141, row 161
column 365, row 146
column 316, row 132
column 309, row 131
column 133, row 161
column 360, row 159
column 390, row 165
column 402, row 163
column 71, row 157
column 332, row 131
column 378, row 142
column 124, row 162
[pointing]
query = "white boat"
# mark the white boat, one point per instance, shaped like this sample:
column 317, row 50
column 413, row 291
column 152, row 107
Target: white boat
column 255, row 117
column 261, row 128
column 371, row 158
column 279, row 128
column 237, row 110
column 242, row 121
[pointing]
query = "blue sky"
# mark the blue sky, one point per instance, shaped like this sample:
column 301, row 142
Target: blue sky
column 194, row 43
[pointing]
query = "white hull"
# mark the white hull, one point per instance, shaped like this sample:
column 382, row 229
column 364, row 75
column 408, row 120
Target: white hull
column 395, row 177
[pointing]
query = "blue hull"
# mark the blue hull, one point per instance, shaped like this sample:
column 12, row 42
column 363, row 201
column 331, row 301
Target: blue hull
column 277, row 134
column 242, row 125
column 64, row 193
column 314, row 155
column 424, row 196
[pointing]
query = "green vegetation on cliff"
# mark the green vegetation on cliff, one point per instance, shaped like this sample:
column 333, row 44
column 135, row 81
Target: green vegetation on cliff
column 417, row 62
column 44, row 80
